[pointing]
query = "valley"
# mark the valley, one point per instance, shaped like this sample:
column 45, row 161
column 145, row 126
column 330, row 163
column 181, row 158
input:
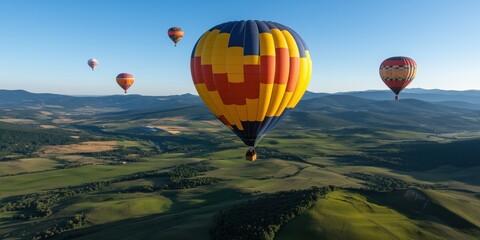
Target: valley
column 102, row 168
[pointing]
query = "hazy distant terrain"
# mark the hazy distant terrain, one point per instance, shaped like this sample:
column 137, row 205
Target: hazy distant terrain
column 137, row 167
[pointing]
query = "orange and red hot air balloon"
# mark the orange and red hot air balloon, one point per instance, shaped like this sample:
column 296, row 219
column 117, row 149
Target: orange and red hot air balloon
column 93, row 63
column 125, row 80
column 397, row 73
column 250, row 74
column 176, row 34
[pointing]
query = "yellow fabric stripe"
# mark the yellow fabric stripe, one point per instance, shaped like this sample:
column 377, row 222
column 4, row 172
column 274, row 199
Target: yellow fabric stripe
column 206, row 59
column 267, row 48
column 280, row 39
column 226, row 110
column 264, row 100
column 278, row 89
column 293, row 52
column 235, row 64
column 199, row 48
column 235, row 77
column 232, row 111
column 303, row 80
column 285, row 100
column 207, row 51
column 309, row 73
column 277, row 95
column 219, row 58
column 128, row 79
column 204, row 95
column 252, row 108
column 251, row 60
column 292, row 44
column 267, row 45
column 252, row 104
column 242, row 112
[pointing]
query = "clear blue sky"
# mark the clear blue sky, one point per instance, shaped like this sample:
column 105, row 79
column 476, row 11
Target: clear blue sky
column 44, row 45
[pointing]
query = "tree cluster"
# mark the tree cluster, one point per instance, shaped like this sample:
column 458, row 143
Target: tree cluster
column 385, row 184
column 260, row 219
column 24, row 141
column 40, row 204
column 127, row 154
column 77, row 221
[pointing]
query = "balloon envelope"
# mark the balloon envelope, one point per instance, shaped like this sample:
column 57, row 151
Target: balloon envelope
column 175, row 34
column 250, row 74
column 397, row 73
column 125, row 80
column 93, row 63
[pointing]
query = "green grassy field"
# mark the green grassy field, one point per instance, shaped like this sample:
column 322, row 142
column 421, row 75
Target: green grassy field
column 320, row 157
column 27, row 165
column 104, row 208
column 345, row 215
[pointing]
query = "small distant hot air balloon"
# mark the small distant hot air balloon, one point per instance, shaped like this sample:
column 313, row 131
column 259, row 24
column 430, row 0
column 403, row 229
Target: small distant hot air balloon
column 397, row 73
column 125, row 80
column 93, row 63
column 176, row 34
column 250, row 74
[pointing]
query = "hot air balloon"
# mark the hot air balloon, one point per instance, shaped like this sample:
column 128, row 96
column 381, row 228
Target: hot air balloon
column 93, row 63
column 176, row 34
column 250, row 74
column 125, row 80
column 397, row 73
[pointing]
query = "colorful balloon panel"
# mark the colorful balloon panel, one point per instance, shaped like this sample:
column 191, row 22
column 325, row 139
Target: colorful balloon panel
column 250, row 74
column 398, row 72
column 93, row 63
column 175, row 34
column 125, row 80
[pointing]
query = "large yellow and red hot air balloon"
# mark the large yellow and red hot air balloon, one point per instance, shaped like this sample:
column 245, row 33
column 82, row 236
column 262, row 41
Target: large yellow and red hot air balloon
column 397, row 73
column 175, row 34
column 250, row 74
column 125, row 80
column 93, row 63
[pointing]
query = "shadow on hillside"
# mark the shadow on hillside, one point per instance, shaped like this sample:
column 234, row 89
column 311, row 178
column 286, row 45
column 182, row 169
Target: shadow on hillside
column 415, row 204
column 182, row 215
column 417, row 156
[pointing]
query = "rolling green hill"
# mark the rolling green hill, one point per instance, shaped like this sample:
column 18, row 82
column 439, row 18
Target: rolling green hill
column 401, row 170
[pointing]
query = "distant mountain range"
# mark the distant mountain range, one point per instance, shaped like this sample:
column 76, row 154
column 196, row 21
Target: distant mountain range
column 418, row 110
column 21, row 98
column 469, row 99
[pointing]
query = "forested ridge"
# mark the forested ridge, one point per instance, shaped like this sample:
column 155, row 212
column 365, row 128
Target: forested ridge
column 24, row 141
column 260, row 219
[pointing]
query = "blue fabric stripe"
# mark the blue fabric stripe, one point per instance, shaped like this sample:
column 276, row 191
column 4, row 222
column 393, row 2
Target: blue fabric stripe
column 262, row 27
column 252, row 39
column 227, row 28
column 271, row 25
column 219, row 26
column 237, row 35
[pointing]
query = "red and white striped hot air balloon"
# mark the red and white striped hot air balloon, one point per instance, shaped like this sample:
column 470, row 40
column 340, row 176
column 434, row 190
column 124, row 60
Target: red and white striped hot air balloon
column 93, row 63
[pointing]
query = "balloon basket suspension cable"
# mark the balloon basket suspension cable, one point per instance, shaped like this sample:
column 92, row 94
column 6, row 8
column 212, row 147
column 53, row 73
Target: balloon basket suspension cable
column 251, row 154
